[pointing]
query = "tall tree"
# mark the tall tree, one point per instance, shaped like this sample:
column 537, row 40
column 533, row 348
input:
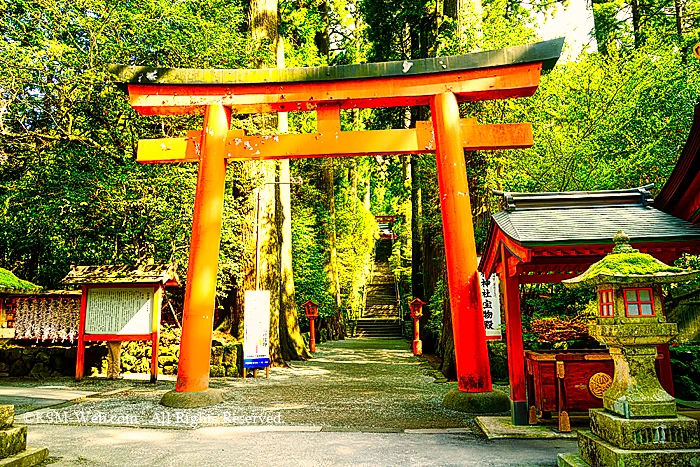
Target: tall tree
column 291, row 343
column 274, row 209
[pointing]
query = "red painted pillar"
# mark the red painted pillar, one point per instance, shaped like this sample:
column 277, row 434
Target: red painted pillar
column 417, row 343
column 80, row 357
column 200, row 293
column 312, row 335
column 514, row 336
column 471, row 354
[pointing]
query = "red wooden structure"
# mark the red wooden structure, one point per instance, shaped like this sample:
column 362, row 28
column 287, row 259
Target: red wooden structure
column 151, row 279
column 548, row 237
column 440, row 83
column 574, row 380
column 681, row 194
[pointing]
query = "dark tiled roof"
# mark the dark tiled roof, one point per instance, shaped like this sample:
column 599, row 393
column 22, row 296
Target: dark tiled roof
column 148, row 274
column 545, row 52
column 589, row 218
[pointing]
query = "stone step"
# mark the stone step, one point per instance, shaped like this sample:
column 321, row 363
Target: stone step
column 7, row 416
column 33, row 455
column 378, row 321
column 363, row 333
column 12, row 441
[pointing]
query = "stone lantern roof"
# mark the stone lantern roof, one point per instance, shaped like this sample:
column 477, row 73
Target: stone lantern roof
column 626, row 265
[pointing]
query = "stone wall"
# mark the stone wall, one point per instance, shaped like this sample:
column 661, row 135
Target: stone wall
column 44, row 360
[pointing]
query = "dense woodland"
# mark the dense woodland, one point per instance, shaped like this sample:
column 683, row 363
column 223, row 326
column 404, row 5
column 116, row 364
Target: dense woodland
column 71, row 193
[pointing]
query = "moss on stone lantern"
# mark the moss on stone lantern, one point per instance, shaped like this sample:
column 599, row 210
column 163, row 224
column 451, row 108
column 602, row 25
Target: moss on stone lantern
column 639, row 424
column 632, row 323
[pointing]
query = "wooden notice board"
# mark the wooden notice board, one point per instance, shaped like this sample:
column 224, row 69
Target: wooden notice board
column 119, row 312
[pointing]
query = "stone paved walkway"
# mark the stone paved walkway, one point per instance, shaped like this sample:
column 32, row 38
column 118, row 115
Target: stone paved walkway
column 81, row 446
column 369, row 385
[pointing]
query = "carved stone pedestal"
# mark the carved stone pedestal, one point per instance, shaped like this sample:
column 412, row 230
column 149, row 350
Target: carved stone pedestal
column 653, row 442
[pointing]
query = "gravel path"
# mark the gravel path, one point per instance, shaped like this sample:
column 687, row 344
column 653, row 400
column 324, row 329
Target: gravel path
column 369, row 385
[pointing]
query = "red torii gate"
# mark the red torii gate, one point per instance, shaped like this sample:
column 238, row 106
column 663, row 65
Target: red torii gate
column 439, row 82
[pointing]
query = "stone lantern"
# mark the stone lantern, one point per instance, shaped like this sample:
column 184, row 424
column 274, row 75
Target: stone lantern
column 638, row 424
column 416, row 306
column 311, row 310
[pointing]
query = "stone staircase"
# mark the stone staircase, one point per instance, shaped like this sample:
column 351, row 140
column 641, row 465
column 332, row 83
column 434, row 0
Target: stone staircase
column 380, row 317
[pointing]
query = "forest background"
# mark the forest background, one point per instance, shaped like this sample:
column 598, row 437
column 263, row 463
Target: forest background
column 71, row 191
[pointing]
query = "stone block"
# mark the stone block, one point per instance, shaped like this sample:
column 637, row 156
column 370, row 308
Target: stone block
column 192, row 400
column 31, row 456
column 640, row 404
column 19, row 368
column 58, row 362
column 495, row 401
column 232, row 370
column 40, row 370
column 12, row 441
column 42, row 357
column 165, row 360
column 230, row 355
column 7, row 416
column 13, row 354
column 72, row 354
column 217, row 355
column 649, row 433
column 598, row 452
column 571, row 460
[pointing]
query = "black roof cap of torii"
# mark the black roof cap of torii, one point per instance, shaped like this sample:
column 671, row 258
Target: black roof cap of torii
column 546, row 52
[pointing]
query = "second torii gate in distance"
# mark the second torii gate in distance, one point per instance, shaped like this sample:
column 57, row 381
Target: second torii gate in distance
column 438, row 82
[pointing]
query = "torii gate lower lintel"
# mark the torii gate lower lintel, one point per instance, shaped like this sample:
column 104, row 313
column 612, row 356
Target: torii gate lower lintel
column 440, row 82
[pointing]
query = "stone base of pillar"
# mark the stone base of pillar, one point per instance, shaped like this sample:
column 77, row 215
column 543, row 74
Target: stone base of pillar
column 494, row 401
column 192, row 400
column 114, row 364
column 417, row 347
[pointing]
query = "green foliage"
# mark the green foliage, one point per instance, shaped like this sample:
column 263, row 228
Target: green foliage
column 70, row 191
column 356, row 231
column 310, row 279
column 10, row 281
column 623, row 25
column 553, row 301
column 436, row 304
column 685, row 363
column 604, row 123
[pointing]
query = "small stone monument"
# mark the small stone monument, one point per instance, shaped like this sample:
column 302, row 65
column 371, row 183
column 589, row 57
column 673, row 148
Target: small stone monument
column 13, row 442
column 638, row 425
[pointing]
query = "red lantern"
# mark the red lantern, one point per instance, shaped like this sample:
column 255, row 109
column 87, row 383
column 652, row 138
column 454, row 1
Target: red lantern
column 416, row 306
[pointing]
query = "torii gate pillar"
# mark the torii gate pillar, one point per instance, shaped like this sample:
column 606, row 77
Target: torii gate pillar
column 460, row 250
column 192, row 389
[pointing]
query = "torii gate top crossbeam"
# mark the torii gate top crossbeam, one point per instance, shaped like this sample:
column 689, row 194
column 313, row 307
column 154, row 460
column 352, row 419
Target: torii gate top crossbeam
column 495, row 74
